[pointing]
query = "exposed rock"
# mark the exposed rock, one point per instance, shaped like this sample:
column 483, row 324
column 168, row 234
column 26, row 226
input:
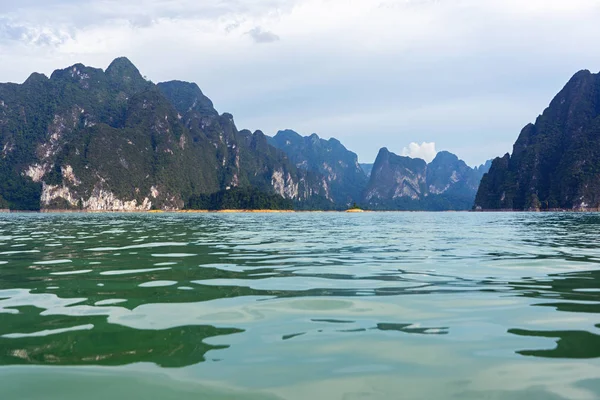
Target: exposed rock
column 397, row 182
column 36, row 172
column 100, row 200
column 69, row 176
column 284, row 185
column 102, row 140
column 50, row 193
column 344, row 177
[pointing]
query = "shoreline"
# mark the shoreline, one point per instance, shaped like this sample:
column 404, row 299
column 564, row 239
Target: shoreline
column 267, row 211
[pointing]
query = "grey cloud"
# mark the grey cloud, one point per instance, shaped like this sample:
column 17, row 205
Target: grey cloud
column 8, row 6
column 261, row 36
column 233, row 26
column 15, row 32
column 12, row 32
column 53, row 22
column 83, row 13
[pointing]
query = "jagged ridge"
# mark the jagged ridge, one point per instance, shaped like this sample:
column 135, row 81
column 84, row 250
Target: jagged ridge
column 405, row 183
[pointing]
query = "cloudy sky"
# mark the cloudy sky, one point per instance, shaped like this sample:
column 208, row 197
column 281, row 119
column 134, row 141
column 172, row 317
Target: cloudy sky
column 460, row 75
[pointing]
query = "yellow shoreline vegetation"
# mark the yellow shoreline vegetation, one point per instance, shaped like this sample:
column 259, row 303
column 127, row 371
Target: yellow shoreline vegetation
column 351, row 210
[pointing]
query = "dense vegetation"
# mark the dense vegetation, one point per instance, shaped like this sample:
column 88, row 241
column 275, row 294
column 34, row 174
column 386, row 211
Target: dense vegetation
column 239, row 199
column 556, row 161
column 95, row 139
column 442, row 202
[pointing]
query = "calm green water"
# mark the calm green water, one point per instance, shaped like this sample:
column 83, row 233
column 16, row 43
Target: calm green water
column 300, row 306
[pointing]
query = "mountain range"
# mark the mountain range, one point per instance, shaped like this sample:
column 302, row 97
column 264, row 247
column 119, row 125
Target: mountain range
column 110, row 140
column 392, row 183
column 398, row 182
column 90, row 139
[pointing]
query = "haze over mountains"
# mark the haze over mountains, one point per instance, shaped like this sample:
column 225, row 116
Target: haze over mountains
column 110, row 140
column 329, row 158
column 398, row 182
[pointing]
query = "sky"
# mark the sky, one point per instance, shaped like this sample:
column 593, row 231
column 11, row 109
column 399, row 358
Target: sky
column 414, row 76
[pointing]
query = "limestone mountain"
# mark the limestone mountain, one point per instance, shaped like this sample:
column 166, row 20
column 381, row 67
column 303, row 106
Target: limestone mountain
column 555, row 162
column 244, row 158
column 110, row 140
column 405, row 183
column 329, row 158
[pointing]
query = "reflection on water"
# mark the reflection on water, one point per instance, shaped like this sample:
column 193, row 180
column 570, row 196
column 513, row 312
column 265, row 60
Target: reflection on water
column 577, row 292
column 90, row 340
column 290, row 306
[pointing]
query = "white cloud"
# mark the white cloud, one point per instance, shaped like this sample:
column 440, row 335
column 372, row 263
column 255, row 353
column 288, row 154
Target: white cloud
column 425, row 151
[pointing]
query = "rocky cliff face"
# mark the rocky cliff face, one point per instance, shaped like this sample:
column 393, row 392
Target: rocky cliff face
column 397, row 182
column 555, row 162
column 343, row 175
column 395, row 177
column 110, row 140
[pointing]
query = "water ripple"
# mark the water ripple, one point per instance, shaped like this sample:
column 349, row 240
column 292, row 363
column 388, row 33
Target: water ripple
column 448, row 305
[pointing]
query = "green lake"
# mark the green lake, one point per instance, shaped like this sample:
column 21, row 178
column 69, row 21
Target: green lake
column 300, row 306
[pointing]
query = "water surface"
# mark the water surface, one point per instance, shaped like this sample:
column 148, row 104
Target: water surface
column 297, row 306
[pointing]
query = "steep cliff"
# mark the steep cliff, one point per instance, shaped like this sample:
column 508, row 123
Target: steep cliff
column 328, row 158
column 555, row 162
column 405, row 183
column 110, row 140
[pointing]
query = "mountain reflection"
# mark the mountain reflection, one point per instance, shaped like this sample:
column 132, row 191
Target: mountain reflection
column 105, row 344
column 573, row 293
column 410, row 328
column 570, row 344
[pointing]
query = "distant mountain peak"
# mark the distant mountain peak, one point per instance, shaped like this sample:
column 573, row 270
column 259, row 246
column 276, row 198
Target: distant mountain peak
column 584, row 73
column 441, row 155
column 122, row 71
column 288, row 132
column 35, row 77
column 121, row 65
